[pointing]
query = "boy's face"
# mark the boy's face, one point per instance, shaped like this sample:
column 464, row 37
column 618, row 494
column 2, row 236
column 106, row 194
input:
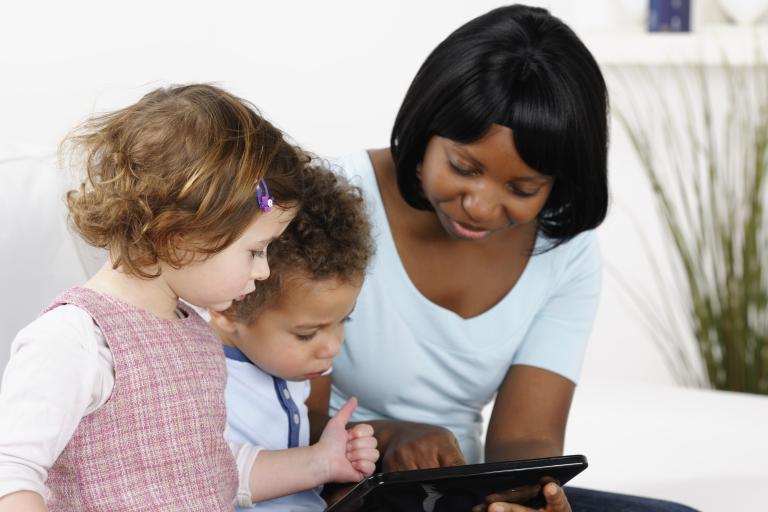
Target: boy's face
column 297, row 338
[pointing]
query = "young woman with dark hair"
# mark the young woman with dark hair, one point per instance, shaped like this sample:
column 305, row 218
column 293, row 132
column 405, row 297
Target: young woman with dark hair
column 487, row 273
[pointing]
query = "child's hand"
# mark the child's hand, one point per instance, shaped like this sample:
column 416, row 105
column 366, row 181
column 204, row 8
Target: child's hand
column 361, row 449
column 350, row 455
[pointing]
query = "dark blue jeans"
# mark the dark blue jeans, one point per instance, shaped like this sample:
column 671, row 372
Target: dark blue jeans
column 587, row 500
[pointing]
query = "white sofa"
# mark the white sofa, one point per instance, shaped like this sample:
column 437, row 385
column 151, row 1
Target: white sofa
column 704, row 448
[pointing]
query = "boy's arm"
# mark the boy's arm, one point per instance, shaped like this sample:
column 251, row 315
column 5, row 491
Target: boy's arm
column 277, row 473
column 29, row 501
column 340, row 455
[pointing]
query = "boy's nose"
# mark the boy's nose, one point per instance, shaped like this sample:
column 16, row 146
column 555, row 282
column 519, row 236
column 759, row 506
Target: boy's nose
column 330, row 348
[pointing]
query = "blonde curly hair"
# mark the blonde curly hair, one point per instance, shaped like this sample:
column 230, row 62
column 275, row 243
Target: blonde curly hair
column 181, row 164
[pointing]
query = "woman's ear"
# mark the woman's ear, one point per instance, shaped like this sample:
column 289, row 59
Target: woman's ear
column 223, row 322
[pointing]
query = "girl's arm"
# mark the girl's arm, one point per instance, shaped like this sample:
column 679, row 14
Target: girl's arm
column 28, row 501
column 529, row 415
column 340, row 455
column 58, row 372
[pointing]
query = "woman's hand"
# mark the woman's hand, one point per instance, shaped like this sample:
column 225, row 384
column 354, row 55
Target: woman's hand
column 419, row 446
column 350, row 455
column 554, row 495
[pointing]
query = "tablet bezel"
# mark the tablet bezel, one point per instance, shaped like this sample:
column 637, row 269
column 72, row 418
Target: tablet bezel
column 562, row 468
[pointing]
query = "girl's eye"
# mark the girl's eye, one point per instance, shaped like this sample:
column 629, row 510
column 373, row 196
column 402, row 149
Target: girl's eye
column 460, row 170
column 347, row 318
column 305, row 337
column 259, row 253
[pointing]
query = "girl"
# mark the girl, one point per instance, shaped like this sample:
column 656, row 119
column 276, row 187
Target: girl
column 113, row 398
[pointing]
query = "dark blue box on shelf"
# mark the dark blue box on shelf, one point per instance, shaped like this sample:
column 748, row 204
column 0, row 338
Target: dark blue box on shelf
column 669, row 16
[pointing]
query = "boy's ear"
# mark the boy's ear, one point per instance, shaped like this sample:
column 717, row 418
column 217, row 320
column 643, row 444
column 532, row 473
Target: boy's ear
column 223, row 322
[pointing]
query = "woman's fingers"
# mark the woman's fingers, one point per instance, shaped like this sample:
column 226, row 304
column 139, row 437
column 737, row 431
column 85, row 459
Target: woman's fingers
column 553, row 494
column 451, row 456
column 421, row 446
column 556, row 500
column 406, row 459
column 508, row 507
column 517, row 495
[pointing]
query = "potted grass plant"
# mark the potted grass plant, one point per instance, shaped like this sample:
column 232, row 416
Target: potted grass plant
column 703, row 145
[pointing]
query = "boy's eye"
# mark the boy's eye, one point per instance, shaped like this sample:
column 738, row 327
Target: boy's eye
column 305, row 337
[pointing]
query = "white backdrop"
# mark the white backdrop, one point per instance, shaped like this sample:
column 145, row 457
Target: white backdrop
column 331, row 74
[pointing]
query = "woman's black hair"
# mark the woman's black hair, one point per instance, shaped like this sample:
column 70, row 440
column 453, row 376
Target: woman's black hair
column 522, row 68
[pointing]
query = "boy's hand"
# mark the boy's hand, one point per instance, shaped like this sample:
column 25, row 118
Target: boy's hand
column 361, row 449
column 350, row 455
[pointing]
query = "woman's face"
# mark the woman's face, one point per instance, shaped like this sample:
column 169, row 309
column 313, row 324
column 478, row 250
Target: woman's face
column 481, row 188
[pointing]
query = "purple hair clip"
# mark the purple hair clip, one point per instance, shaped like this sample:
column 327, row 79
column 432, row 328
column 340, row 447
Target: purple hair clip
column 265, row 200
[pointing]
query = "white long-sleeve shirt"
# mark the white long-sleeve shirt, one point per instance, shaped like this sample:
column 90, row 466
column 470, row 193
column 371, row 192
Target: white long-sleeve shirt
column 61, row 370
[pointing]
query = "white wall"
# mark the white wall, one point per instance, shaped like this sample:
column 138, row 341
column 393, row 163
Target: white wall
column 332, row 74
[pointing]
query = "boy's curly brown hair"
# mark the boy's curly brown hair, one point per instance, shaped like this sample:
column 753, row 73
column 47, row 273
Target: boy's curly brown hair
column 330, row 238
column 180, row 164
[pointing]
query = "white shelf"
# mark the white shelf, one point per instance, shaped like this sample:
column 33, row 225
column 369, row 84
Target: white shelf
column 709, row 46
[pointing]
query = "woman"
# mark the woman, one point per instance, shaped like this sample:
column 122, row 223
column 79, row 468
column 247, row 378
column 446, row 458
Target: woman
column 487, row 273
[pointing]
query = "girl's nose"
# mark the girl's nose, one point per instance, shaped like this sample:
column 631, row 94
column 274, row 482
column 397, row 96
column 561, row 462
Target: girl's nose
column 260, row 269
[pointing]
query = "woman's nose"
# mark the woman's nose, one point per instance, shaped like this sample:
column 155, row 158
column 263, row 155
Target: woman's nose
column 483, row 207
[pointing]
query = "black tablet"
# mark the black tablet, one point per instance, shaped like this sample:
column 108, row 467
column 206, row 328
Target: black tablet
column 457, row 488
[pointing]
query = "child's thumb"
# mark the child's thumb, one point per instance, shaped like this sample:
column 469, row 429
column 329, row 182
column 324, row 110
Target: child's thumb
column 345, row 413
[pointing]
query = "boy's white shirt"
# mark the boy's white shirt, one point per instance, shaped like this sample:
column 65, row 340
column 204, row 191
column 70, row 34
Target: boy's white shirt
column 60, row 371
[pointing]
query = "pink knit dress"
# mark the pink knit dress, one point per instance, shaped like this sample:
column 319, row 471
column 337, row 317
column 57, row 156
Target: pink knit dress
column 158, row 442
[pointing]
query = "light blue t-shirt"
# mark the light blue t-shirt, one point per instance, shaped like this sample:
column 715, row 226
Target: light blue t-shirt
column 269, row 413
column 407, row 358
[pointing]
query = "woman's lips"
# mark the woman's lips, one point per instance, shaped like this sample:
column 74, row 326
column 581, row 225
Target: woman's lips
column 467, row 232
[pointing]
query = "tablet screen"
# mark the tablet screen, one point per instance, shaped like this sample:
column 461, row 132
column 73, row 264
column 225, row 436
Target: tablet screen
column 457, row 488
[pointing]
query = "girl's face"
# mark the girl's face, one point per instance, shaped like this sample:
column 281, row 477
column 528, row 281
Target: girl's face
column 481, row 188
column 229, row 274
column 297, row 338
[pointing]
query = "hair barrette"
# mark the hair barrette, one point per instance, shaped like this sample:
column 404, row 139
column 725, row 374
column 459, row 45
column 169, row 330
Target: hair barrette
column 262, row 196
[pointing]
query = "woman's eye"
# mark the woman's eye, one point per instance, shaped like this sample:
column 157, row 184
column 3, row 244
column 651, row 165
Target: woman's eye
column 259, row 253
column 460, row 170
column 305, row 337
column 521, row 192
